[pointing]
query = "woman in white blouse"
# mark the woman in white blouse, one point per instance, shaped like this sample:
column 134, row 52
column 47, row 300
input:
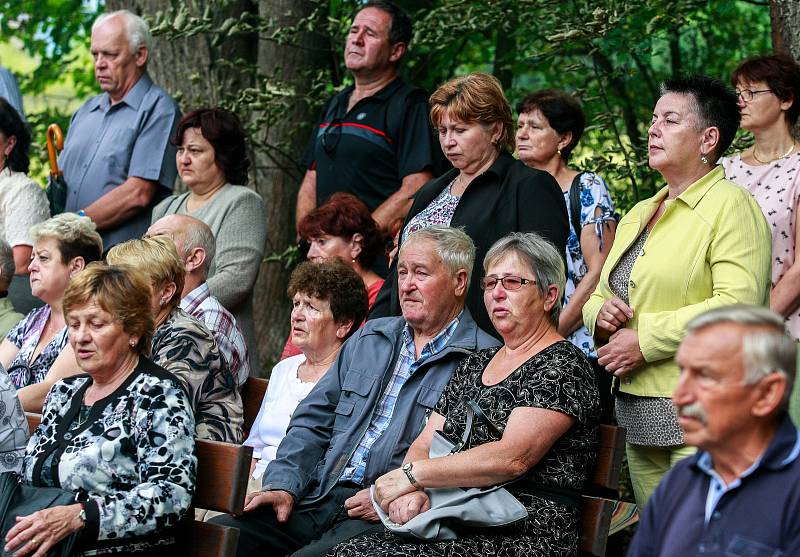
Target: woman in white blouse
column 329, row 303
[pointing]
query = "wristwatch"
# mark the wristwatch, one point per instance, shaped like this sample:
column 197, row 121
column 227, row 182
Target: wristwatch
column 82, row 513
column 407, row 469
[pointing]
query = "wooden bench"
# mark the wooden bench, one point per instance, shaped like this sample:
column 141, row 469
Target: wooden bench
column 253, row 392
column 222, row 471
column 598, row 503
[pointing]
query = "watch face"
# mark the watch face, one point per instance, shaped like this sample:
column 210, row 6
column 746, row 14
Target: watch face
column 407, row 466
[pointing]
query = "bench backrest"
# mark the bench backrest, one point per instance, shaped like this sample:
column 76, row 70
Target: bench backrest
column 253, row 392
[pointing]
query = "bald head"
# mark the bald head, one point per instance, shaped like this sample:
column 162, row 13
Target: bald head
column 190, row 235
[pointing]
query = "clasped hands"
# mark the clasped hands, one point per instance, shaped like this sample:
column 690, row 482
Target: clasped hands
column 622, row 354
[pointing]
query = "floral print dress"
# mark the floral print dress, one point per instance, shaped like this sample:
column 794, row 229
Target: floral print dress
column 557, row 378
column 25, row 336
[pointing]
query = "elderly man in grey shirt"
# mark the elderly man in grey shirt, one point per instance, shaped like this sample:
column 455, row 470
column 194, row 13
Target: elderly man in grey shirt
column 118, row 153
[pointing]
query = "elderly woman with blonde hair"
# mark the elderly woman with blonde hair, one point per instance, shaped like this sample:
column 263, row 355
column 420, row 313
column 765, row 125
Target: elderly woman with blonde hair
column 62, row 247
column 488, row 192
column 181, row 344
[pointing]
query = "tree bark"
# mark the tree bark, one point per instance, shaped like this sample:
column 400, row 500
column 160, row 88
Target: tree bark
column 277, row 175
column 785, row 17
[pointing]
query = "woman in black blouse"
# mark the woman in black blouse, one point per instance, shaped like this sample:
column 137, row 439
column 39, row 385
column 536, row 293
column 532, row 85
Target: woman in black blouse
column 539, row 393
column 488, row 192
column 120, row 435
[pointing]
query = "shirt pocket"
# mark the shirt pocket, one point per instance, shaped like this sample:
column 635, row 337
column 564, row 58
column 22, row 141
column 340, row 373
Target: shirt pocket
column 118, row 146
column 743, row 547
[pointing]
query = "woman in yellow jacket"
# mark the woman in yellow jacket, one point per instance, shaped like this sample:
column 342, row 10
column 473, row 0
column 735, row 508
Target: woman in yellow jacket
column 700, row 242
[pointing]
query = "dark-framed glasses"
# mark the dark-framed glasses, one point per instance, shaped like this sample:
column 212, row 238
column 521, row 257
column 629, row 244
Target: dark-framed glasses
column 509, row 282
column 331, row 136
column 747, row 94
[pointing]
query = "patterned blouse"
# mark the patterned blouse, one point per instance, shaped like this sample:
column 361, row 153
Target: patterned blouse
column 131, row 461
column 185, row 347
column 776, row 187
column 596, row 211
column 558, row 378
column 14, row 433
column 25, row 336
column 439, row 212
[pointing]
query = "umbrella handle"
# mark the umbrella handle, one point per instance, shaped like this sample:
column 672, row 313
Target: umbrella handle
column 55, row 140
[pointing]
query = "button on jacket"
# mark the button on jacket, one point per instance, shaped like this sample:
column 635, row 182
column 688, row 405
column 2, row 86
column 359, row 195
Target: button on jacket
column 711, row 247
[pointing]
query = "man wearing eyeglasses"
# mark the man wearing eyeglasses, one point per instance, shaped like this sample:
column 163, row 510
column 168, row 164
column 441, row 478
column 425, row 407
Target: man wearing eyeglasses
column 740, row 494
column 373, row 139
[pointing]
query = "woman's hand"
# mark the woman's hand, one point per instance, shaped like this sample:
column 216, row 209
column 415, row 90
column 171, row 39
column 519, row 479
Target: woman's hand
column 36, row 533
column 407, row 506
column 613, row 314
column 390, row 486
column 622, row 353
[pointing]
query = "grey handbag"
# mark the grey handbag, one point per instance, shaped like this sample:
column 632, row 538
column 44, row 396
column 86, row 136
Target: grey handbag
column 481, row 507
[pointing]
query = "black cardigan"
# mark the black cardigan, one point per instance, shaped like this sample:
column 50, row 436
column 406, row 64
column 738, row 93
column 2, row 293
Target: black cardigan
column 508, row 197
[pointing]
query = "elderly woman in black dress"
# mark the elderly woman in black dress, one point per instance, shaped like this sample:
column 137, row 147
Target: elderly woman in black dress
column 539, row 392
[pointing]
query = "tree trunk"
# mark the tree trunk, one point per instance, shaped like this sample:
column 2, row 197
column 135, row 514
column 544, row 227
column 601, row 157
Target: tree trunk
column 277, row 175
column 785, row 17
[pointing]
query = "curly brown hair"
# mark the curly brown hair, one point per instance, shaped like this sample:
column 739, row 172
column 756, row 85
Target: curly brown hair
column 335, row 282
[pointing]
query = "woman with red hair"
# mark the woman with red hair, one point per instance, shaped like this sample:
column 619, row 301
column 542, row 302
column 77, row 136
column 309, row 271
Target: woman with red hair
column 343, row 227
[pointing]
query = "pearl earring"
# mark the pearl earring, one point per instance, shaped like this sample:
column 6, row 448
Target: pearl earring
column 703, row 158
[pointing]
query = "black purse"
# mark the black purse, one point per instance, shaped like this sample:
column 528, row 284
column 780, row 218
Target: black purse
column 18, row 499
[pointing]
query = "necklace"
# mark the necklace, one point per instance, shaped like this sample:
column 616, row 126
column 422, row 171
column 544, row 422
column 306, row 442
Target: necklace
column 786, row 154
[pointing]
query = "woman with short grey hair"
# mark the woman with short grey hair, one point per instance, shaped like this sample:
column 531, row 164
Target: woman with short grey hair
column 538, row 422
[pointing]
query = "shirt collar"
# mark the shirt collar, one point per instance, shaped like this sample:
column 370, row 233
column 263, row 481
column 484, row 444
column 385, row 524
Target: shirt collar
column 436, row 344
column 133, row 98
column 783, row 449
column 695, row 192
column 196, row 297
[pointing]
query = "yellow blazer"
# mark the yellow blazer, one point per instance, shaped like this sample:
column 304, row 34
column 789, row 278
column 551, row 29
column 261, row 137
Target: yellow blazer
column 711, row 247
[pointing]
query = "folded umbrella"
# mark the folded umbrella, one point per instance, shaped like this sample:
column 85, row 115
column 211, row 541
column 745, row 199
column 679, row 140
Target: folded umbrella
column 56, row 186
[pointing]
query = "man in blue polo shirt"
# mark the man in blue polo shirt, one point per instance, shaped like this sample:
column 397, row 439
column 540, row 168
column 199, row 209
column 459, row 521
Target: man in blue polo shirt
column 118, row 160
column 373, row 139
column 740, row 494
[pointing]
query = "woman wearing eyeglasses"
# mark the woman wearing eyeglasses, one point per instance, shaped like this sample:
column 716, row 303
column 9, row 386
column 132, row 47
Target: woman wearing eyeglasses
column 701, row 242
column 488, row 192
column 540, row 407
column 769, row 97
column 212, row 160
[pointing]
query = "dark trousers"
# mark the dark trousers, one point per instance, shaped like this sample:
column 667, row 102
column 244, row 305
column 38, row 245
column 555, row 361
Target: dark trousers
column 312, row 529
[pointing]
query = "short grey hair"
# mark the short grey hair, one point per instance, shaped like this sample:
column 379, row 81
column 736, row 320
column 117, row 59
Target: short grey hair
column 544, row 260
column 7, row 266
column 453, row 246
column 194, row 233
column 75, row 236
column 766, row 348
column 136, row 29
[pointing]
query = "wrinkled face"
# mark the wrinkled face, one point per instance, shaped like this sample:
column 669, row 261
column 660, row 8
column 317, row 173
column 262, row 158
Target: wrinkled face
column 49, row 276
column 368, row 47
column 537, row 142
column 712, row 400
column 764, row 110
column 116, row 68
column 427, row 291
column 98, row 339
column 313, row 327
column 674, row 137
column 467, row 145
column 196, row 162
column 513, row 311
column 326, row 246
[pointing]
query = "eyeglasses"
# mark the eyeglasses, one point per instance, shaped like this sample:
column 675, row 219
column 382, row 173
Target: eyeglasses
column 509, row 282
column 331, row 136
column 747, row 94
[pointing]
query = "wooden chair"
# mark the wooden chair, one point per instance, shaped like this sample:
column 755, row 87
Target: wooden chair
column 598, row 503
column 253, row 392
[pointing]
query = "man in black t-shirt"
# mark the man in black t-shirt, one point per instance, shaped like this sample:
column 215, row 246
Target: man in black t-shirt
column 373, row 139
